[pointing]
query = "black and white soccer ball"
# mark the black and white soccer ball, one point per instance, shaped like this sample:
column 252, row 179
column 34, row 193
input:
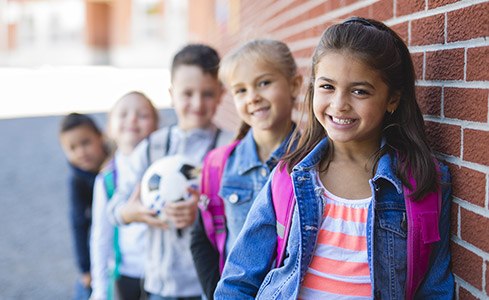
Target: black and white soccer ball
column 167, row 180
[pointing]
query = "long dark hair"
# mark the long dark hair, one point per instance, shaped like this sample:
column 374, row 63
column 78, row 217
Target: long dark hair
column 383, row 50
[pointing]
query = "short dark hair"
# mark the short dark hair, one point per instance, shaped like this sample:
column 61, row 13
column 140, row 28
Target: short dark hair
column 74, row 120
column 198, row 55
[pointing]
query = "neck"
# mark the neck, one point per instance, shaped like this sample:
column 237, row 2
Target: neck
column 356, row 153
column 268, row 141
column 126, row 149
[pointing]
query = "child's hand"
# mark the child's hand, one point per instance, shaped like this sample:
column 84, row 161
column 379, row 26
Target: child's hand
column 86, row 279
column 134, row 211
column 183, row 213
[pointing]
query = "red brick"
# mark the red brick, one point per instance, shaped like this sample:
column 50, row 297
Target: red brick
column 474, row 229
column 429, row 99
column 382, row 10
column 454, row 219
column 444, row 138
column 405, row 7
column 466, row 295
column 466, row 104
column 468, row 185
column 445, row 65
column 477, row 67
column 467, row 265
column 402, row 30
column 304, row 53
column 468, row 23
column 476, row 146
column 363, row 12
column 418, row 64
column 429, row 30
column 438, row 3
column 312, row 13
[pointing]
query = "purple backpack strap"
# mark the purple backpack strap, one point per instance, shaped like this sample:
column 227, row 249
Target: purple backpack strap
column 283, row 202
column 423, row 216
column 210, row 204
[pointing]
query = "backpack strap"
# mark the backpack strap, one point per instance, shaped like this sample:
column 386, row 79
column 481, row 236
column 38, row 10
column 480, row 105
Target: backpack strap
column 110, row 183
column 423, row 216
column 283, row 203
column 210, row 204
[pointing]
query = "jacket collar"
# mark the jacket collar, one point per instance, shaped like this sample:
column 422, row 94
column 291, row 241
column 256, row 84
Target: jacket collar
column 384, row 170
column 248, row 154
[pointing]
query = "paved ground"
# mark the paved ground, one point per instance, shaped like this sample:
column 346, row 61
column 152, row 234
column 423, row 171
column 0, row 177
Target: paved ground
column 36, row 255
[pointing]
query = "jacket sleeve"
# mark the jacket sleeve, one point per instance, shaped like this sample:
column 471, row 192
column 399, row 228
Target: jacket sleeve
column 81, row 199
column 439, row 281
column 206, row 259
column 101, row 241
column 251, row 258
column 126, row 184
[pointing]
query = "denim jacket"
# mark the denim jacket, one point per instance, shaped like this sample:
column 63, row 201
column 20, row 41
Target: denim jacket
column 248, row 272
column 243, row 178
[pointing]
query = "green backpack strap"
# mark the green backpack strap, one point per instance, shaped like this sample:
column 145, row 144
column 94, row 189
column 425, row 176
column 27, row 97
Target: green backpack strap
column 110, row 182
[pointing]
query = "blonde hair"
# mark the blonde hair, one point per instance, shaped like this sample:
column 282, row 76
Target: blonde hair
column 154, row 111
column 266, row 51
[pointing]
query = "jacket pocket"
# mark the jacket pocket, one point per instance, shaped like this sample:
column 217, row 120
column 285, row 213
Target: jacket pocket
column 392, row 218
column 236, row 195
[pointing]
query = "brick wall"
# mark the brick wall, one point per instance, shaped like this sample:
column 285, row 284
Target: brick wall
column 449, row 42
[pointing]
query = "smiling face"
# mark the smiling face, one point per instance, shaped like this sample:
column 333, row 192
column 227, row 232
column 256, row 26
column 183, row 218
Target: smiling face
column 195, row 96
column 83, row 147
column 132, row 119
column 350, row 99
column 263, row 96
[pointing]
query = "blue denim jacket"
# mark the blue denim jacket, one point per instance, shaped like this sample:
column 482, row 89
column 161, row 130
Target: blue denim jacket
column 243, row 178
column 248, row 271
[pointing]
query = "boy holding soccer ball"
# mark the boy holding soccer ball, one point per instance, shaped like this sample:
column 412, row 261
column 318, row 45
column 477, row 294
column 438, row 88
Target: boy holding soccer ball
column 196, row 93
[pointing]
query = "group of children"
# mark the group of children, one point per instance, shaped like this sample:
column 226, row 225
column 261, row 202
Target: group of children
column 369, row 203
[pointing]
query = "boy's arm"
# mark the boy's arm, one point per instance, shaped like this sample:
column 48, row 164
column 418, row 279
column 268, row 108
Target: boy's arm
column 80, row 198
column 206, row 259
column 101, row 241
column 439, row 281
column 251, row 257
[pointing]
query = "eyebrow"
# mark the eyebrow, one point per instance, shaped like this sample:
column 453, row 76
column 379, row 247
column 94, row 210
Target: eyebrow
column 256, row 79
column 356, row 83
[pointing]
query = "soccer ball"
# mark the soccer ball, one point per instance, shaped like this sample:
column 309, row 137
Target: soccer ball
column 166, row 180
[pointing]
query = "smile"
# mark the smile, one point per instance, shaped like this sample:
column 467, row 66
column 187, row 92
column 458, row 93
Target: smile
column 342, row 121
column 260, row 111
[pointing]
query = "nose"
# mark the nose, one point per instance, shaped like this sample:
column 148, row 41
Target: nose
column 253, row 96
column 132, row 117
column 197, row 101
column 339, row 101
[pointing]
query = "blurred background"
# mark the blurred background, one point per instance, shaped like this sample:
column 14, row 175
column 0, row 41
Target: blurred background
column 58, row 56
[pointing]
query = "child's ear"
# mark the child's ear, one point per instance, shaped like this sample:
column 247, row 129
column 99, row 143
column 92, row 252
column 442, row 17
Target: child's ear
column 394, row 101
column 296, row 85
column 170, row 91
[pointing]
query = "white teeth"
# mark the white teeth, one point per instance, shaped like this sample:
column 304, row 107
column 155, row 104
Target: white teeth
column 342, row 121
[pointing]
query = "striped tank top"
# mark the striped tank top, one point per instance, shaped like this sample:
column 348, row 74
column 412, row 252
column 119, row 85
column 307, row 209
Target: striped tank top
column 339, row 268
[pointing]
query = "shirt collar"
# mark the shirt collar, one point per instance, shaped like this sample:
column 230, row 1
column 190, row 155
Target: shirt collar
column 385, row 166
column 248, row 154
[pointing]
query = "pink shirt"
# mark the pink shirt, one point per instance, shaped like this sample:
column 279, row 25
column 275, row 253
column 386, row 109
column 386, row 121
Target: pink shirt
column 339, row 268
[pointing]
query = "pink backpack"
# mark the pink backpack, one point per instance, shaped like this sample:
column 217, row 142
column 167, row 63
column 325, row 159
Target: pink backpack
column 422, row 215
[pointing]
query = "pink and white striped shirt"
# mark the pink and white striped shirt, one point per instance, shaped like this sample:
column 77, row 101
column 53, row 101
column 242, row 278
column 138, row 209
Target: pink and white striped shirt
column 339, row 268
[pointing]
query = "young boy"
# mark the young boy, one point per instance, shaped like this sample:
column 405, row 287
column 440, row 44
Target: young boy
column 196, row 93
column 84, row 147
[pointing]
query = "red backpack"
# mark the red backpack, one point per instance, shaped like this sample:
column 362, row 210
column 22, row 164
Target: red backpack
column 422, row 216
